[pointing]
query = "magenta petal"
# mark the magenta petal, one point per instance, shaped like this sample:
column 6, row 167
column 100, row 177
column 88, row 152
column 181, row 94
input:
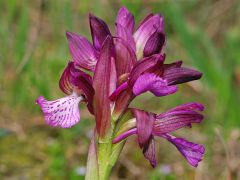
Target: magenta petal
column 101, row 84
column 126, row 36
column 124, row 135
column 189, row 106
column 77, row 74
column 154, row 84
column 146, row 29
column 125, row 57
column 99, row 31
column 150, row 152
column 175, row 119
column 192, row 152
column 83, row 83
column 82, row 51
column 145, row 122
column 139, row 68
column 118, row 91
column 62, row 112
column 65, row 81
column 74, row 79
column 125, row 19
column 155, row 44
column 145, row 19
column 180, row 75
column 144, row 65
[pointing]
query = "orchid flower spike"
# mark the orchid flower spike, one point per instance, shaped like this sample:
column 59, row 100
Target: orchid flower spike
column 107, row 74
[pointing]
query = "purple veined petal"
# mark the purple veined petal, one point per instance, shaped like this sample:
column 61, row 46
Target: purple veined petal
column 76, row 80
column 126, row 36
column 154, row 44
column 83, row 83
column 82, row 51
column 101, row 84
column 146, row 29
column 192, row 152
column 65, row 80
column 125, row 19
column 62, row 112
column 173, row 120
column 118, row 91
column 125, row 57
column 159, row 70
column 180, row 75
column 154, row 84
column 99, row 31
column 188, row 106
column 145, row 19
column 144, row 65
column 76, row 73
column 145, row 121
column 124, row 135
column 150, row 152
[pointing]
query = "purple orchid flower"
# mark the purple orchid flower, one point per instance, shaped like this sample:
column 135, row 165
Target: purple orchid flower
column 64, row 112
column 149, row 125
column 110, row 72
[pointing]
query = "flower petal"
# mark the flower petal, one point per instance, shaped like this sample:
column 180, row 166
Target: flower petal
column 145, row 19
column 125, row 135
column 189, row 106
column 65, row 81
column 63, row 112
column 82, row 51
column 154, row 84
column 126, row 36
column 125, row 19
column 180, row 75
column 101, row 84
column 154, row 44
column 144, row 65
column 76, row 80
column 150, row 152
column 147, row 28
column 125, row 57
column 192, row 152
column 99, row 31
column 83, row 84
column 145, row 121
column 176, row 118
column 118, row 91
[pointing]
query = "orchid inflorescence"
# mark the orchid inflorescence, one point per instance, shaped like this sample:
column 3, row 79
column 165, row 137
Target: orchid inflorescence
column 110, row 72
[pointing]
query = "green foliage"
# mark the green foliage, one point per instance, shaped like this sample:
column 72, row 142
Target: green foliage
column 58, row 161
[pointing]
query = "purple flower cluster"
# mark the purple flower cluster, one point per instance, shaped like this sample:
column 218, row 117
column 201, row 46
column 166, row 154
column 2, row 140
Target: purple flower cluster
column 110, row 72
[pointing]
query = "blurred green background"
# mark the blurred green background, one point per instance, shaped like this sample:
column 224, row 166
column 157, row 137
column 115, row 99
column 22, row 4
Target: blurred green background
column 34, row 52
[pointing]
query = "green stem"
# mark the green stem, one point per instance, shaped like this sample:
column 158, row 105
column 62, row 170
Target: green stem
column 103, row 155
column 104, row 152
